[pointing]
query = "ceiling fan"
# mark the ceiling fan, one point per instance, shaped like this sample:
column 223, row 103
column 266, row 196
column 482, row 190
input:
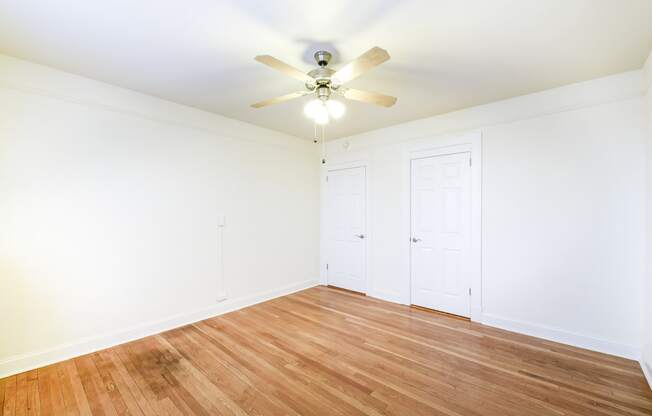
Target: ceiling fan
column 325, row 82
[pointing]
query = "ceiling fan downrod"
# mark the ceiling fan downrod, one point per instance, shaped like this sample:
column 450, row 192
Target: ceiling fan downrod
column 323, row 58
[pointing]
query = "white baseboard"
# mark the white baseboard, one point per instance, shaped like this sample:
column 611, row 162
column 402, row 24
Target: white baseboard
column 647, row 371
column 552, row 334
column 25, row 362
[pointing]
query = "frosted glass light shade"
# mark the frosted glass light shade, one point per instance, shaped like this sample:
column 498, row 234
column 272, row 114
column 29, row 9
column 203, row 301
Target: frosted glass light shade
column 312, row 108
column 316, row 110
column 322, row 116
column 335, row 108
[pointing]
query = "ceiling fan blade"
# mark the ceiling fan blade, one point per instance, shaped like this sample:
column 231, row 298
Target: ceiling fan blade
column 287, row 69
column 369, row 97
column 282, row 98
column 365, row 62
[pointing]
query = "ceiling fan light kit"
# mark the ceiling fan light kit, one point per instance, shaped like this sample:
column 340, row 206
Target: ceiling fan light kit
column 335, row 108
column 325, row 82
column 317, row 111
column 321, row 111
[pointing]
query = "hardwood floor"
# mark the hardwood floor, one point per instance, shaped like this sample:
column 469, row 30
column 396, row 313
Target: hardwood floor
column 327, row 352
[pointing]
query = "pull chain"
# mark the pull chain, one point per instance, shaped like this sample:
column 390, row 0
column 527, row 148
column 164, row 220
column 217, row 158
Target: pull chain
column 323, row 146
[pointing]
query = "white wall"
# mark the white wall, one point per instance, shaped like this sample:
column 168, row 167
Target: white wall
column 563, row 252
column 647, row 332
column 109, row 206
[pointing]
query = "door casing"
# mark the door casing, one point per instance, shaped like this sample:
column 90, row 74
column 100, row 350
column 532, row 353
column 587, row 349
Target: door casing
column 436, row 146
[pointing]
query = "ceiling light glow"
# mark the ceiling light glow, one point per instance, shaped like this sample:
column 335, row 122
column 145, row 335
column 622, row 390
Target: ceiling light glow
column 312, row 108
column 322, row 111
column 322, row 117
column 335, row 108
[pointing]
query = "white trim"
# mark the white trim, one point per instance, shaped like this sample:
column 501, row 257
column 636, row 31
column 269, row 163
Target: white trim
column 646, row 360
column 553, row 334
column 323, row 275
column 441, row 145
column 647, row 372
column 25, row 362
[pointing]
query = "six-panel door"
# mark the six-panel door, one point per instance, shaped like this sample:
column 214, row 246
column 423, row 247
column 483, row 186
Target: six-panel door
column 441, row 238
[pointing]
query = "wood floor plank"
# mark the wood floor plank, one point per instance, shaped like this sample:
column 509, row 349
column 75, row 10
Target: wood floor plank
column 324, row 351
column 45, row 393
column 77, row 388
column 437, row 354
column 519, row 369
column 9, row 406
column 3, row 383
column 443, row 391
column 223, row 389
column 310, row 365
column 244, row 386
column 274, row 368
column 21, row 394
column 133, row 371
column 180, row 382
column 67, row 392
column 33, row 406
column 121, row 372
column 99, row 401
column 120, row 396
column 130, row 394
column 156, row 385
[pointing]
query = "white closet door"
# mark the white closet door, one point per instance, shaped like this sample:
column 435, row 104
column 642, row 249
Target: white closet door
column 346, row 239
column 441, row 233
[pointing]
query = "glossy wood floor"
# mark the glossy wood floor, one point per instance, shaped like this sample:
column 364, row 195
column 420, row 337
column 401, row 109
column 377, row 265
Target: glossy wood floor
column 328, row 352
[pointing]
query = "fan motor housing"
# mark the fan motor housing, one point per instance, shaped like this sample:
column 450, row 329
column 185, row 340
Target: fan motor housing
column 323, row 92
column 322, row 78
column 321, row 75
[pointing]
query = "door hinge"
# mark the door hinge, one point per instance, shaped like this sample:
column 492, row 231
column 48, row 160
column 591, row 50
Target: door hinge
column 469, row 291
column 470, row 161
column 326, row 266
column 326, row 178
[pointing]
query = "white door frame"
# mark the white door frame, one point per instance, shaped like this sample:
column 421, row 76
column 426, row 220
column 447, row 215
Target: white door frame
column 437, row 146
column 325, row 221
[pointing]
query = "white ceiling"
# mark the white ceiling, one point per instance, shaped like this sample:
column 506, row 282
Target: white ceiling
column 446, row 55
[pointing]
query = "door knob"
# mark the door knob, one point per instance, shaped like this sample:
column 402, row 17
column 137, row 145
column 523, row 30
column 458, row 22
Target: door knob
column 360, row 236
column 415, row 240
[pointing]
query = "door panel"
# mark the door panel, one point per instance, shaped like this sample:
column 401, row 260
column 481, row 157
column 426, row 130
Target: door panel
column 346, row 217
column 441, row 243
